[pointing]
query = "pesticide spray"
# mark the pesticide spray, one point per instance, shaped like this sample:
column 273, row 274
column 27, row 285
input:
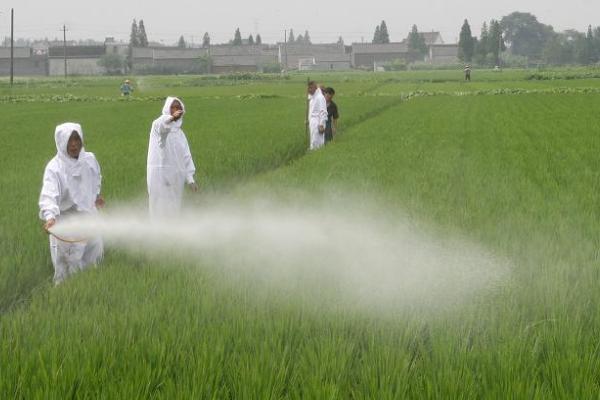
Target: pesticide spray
column 352, row 254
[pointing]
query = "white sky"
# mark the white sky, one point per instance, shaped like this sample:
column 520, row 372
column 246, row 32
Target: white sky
column 325, row 19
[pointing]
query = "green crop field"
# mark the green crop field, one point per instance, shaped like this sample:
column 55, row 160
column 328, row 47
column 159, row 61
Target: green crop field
column 509, row 162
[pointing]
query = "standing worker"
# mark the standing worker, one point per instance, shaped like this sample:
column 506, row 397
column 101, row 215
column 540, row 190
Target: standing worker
column 332, row 115
column 468, row 73
column 170, row 164
column 317, row 116
column 71, row 187
column 126, row 88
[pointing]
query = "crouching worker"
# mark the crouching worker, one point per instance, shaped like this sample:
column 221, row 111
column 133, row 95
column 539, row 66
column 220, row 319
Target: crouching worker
column 170, row 165
column 71, row 187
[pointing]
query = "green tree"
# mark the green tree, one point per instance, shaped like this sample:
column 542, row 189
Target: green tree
column 181, row 42
column 291, row 38
column 525, row 34
column 204, row 64
column 307, row 38
column 416, row 42
column 134, row 35
column 206, row 40
column 237, row 38
column 466, row 43
column 496, row 43
column 588, row 56
column 558, row 50
column 597, row 44
column 300, row 39
column 258, row 39
column 384, row 36
column 142, row 37
column 574, row 43
column 377, row 35
column 482, row 47
column 133, row 42
column 251, row 40
column 340, row 41
column 112, row 63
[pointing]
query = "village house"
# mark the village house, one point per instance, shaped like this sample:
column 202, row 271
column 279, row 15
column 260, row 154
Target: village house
column 223, row 59
column 248, row 58
column 26, row 62
column 294, row 56
column 81, row 60
column 370, row 56
column 167, row 60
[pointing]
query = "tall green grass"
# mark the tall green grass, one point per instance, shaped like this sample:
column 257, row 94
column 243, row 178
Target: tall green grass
column 517, row 173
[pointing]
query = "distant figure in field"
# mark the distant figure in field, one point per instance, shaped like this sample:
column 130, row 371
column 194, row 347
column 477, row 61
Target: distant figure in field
column 71, row 187
column 126, row 88
column 317, row 116
column 468, row 73
column 332, row 115
column 170, row 164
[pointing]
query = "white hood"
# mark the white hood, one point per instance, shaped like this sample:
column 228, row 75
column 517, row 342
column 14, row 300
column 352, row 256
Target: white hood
column 61, row 136
column 167, row 110
column 69, row 183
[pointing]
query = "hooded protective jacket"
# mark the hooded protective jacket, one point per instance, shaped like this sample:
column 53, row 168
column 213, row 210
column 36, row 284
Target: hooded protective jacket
column 170, row 164
column 70, row 186
column 317, row 116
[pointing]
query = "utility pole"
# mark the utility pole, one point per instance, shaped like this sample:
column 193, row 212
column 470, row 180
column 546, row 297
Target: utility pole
column 12, row 45
column 499, row 48
column 285, row 49
column 64, row 29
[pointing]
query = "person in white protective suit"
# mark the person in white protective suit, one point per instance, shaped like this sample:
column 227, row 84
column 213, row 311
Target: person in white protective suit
column 71, row 187
column 170, row 164
column 317, row 116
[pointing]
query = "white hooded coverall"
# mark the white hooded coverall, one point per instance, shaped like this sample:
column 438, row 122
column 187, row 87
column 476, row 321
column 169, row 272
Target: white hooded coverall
column 170, row 164
column 70, row 186
column 317, row 116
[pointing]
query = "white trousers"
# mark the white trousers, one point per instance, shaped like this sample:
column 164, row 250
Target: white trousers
column 165, row 192
column 317, row 140
column 69, row 258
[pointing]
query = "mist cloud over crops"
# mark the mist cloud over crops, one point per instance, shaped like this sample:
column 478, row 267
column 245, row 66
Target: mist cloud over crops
column 352, row 254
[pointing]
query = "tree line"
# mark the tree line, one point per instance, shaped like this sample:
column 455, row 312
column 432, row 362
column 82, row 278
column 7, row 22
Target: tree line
column 521, row 35
column 415, row 41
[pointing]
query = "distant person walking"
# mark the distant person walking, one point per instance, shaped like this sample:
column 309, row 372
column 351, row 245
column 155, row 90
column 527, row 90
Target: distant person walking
column 71, row 188
column 332, row 115
column 467, row 73
column 317, row 116
column 170, row 164
column 126, row 88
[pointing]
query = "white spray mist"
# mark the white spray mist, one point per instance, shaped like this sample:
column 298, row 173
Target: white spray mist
column 366, row 258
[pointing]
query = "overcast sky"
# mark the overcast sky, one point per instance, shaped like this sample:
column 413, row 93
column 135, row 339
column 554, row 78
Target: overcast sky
column 326, row 20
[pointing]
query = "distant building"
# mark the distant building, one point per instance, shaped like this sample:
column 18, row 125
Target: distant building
column 368, row 55
column 81, row 60
column 47, row 57
column 332, row 62
column 443, row 54
column 26, row 62
column 113, row 47
column 249, row 58
column 326, row 56
column 431, row 38
column 167, row 60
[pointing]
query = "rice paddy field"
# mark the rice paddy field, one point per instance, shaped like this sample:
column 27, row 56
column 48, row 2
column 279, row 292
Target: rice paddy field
column 509, row 162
